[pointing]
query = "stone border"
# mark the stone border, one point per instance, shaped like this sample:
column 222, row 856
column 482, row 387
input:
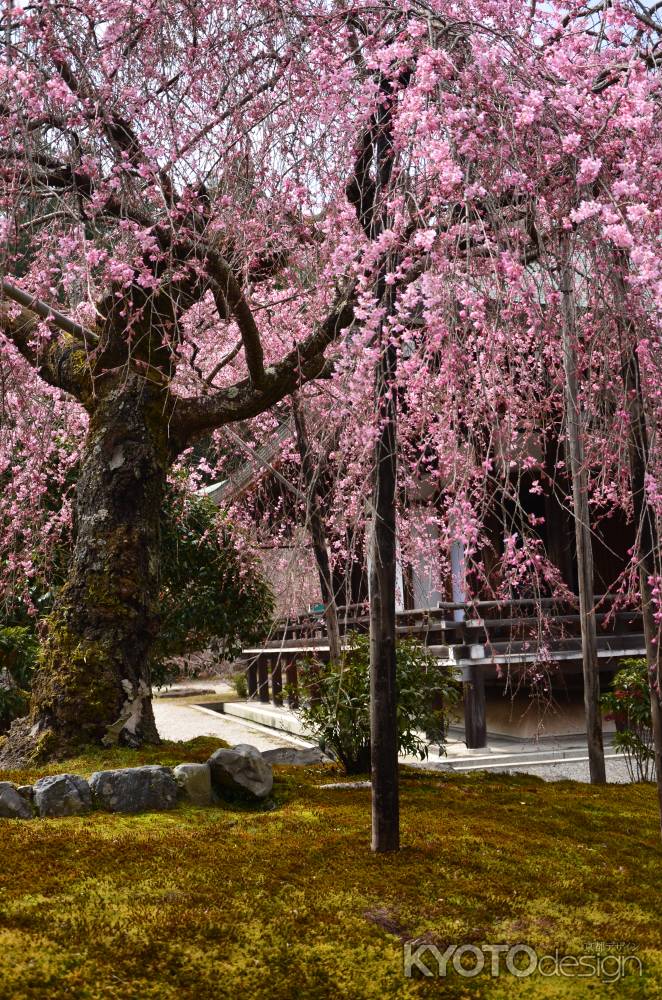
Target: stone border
column 241, row 771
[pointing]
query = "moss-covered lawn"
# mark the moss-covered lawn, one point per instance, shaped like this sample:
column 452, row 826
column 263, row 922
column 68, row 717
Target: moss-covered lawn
column 233, row 903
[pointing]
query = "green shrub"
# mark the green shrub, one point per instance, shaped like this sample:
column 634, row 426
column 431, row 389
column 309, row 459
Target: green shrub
column 240, row 684
column 628, row 704
column 18, row 654
column 335, row 707
column 213, row 594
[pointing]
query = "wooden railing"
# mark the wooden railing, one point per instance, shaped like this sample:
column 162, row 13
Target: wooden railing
column 470, row 636
column 519, row 630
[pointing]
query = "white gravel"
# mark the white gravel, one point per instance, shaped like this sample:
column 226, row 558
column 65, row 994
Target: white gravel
column 184, row 722
column 572, row 771
column 178, row 721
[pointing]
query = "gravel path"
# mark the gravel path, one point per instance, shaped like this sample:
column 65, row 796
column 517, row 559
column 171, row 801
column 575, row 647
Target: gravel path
column 179, row 720
column 574, row 771
column 175, row 721
column 561, row 770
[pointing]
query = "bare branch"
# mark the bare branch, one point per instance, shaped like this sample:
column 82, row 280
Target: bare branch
column 225, row 360
column 245, row 400
column 232, row 294
column 46, row 312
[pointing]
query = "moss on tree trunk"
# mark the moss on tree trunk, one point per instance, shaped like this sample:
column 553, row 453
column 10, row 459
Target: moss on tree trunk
column 93, row 685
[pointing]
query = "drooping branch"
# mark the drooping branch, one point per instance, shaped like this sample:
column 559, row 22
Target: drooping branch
column 318, row 532
column 225, row 360
column 575, row 433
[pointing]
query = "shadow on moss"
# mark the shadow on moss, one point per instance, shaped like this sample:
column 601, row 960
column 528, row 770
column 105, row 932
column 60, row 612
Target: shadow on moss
column 226, row 903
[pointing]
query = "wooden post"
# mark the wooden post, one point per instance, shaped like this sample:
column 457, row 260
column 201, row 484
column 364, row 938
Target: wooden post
column 383, row 701
column 383, row 563
column 648, row 542
column 292, row 683
column 368, row 191
column 473, row 681
column 574, row 430
column 263, row 679
column 382, row 574
column 251, row 678
column 313, row 688
column 277, row 683
column 475, row 725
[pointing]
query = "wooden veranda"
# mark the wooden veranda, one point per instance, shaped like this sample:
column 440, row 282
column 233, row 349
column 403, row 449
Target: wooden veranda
column 479, row 640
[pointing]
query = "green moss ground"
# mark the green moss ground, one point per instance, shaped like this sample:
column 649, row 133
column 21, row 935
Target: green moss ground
column 289, row 902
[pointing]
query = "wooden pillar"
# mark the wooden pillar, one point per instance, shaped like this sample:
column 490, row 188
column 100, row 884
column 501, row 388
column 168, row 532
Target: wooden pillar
column 436, row 733
column 648, row 549
column 292, row 683
column 383, row 576
column 251, row 679
column 575, row 429
column 263, row 679
column 475, row 727
column 277, row 683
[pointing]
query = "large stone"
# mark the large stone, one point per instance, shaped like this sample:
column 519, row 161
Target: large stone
column 26, row 792
column 194, row 781
column 135, row 789
column 294, row 755
column 12, row 803
column 62, row 795
column 242, row 771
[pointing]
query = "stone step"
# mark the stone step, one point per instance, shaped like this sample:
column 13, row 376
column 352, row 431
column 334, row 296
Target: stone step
column 517, row 762
column 265, row 715
column 458, row 758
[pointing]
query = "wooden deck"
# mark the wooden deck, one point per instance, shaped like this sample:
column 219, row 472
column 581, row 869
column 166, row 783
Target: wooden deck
column 475, row 639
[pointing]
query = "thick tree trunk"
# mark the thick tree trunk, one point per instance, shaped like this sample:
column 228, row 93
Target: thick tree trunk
column 596, row 754
column 93, row 685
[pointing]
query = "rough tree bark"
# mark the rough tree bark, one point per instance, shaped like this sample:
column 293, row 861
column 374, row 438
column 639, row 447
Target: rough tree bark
column 92, row 684
column 596, row 754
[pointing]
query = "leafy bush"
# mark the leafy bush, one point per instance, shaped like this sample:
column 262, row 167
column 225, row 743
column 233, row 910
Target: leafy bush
column 335, row 707
column 628, row 704
column 213, row 594
column 240, row 684
column 18, row 654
